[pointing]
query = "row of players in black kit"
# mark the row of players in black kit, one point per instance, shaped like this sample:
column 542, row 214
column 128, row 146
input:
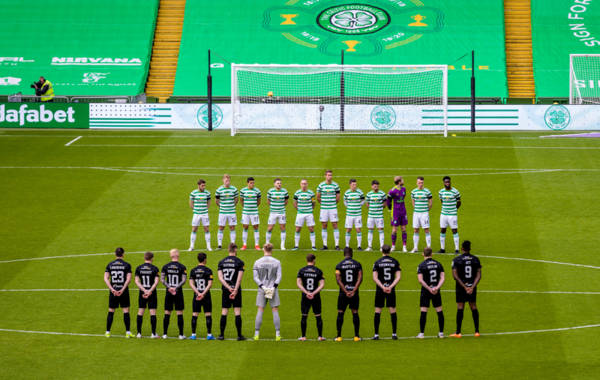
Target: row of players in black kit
column 466, row 269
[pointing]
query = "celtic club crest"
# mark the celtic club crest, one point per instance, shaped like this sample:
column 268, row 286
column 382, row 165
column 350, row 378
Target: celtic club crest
column 557, row 117
column 357, row 28
column 202, row 116
column 383, row 117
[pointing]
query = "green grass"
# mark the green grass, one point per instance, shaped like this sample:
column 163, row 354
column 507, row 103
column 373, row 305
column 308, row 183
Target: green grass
column 523, row 197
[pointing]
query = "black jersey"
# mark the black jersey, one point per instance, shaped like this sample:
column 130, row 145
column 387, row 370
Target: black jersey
column 348, row 270
column 310, row 276
column 201, row 276
column 231, row 266
column 147, row 274
column 386, row 268
column 174, row 274
column 118, row 270
column 466, row 266
column 431, row 271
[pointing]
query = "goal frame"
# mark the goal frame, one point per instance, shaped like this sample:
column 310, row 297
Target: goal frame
column 235, row 104
column 572, row 75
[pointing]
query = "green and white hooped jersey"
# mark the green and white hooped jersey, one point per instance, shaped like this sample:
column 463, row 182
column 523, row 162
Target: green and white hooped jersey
column 305, row 201
column 449, row 199
column 328, row 194
column 277, row 199
column 250, row 197
column 200, row 199
column 376, row 201
column 421, row 198
column 226, row 196
column 354, row 201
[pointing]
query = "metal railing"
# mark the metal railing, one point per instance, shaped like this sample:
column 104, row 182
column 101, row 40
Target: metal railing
column 20, row 98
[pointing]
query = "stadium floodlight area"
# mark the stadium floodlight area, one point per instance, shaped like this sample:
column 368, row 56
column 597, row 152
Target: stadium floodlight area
column 339, row 98
column 584, row 79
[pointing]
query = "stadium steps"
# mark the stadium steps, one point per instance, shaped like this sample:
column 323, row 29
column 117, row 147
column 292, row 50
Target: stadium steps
column 519, row 61
column 165, row 50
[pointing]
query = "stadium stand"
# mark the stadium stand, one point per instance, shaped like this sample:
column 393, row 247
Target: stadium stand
column 397, row 32
column 519, row 62
column 165, row 50
column 85, row 48
column 561, row 28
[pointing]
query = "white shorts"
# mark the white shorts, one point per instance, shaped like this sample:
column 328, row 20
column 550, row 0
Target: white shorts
column 308, row 218
column 250, row 219
column 200, row 218
column 275, row 218
column 328, row 215
column 420, row 220
column 227, row 218
column 449, row 220
column 353, row 221
column 374, row 222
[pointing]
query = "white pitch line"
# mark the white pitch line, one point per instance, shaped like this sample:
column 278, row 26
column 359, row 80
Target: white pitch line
column 296, row 340
column 286, row 146
column 136, row 252
column 72, row 141
column 324, row 290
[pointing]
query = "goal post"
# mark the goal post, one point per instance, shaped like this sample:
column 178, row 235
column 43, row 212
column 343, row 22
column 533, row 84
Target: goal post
column 275, row 98
column 584, row 79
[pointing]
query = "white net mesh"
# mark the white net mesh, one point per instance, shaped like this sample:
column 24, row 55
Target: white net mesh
column 585, row 79
column 335, row 98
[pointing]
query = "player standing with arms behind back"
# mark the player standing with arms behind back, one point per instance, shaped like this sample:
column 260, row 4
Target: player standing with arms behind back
column 328, row 195
column 431, row 277
column 349, row 276
column 466, row 270
column 421, row 201
column 305, row 204
column 354, row 199
column 278, row 199
column 375, row 199
column 231, row 271
column 117, row 277
column 250, row 198
column 386, row 274
column 395, row 203
column 226, row 197
column 267, row 275
column 199, row 202
column 201, row 280
column 310, row 281
column 451, row 202
column 173, row 276
column 146, row 279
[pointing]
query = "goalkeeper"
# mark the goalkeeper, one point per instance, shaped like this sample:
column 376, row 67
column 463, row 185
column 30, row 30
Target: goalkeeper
column 267, row 275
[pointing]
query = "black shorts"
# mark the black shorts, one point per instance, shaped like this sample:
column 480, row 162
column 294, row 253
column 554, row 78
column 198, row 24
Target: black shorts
column 150, row 302
column 226, row 302
column 344, row 302
column 204, row 304
column 462, row 296
column 426, row 298
column 174, row 300
column 383, row 299
column 115, row 302
column 306, row 304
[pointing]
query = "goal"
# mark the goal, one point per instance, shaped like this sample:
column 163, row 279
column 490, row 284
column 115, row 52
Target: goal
column 584, row 79
column 339, row 98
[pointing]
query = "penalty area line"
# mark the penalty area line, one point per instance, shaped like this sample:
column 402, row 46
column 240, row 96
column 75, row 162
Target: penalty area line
column 560, row 329
column 72, row 141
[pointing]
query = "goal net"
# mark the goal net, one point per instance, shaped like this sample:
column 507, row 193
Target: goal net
column 584, row 79
column 339, row 98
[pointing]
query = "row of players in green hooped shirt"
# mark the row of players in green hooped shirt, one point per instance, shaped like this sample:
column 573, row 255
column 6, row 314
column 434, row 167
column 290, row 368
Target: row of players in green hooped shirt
column 328, row 195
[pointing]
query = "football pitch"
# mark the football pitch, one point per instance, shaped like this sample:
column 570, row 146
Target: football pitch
column 529, row 206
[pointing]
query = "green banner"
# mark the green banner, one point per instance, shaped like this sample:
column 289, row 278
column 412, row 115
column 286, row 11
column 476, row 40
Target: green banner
column 86, row 48
column 44, row 115
column 560, row 28
column 369, row 32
